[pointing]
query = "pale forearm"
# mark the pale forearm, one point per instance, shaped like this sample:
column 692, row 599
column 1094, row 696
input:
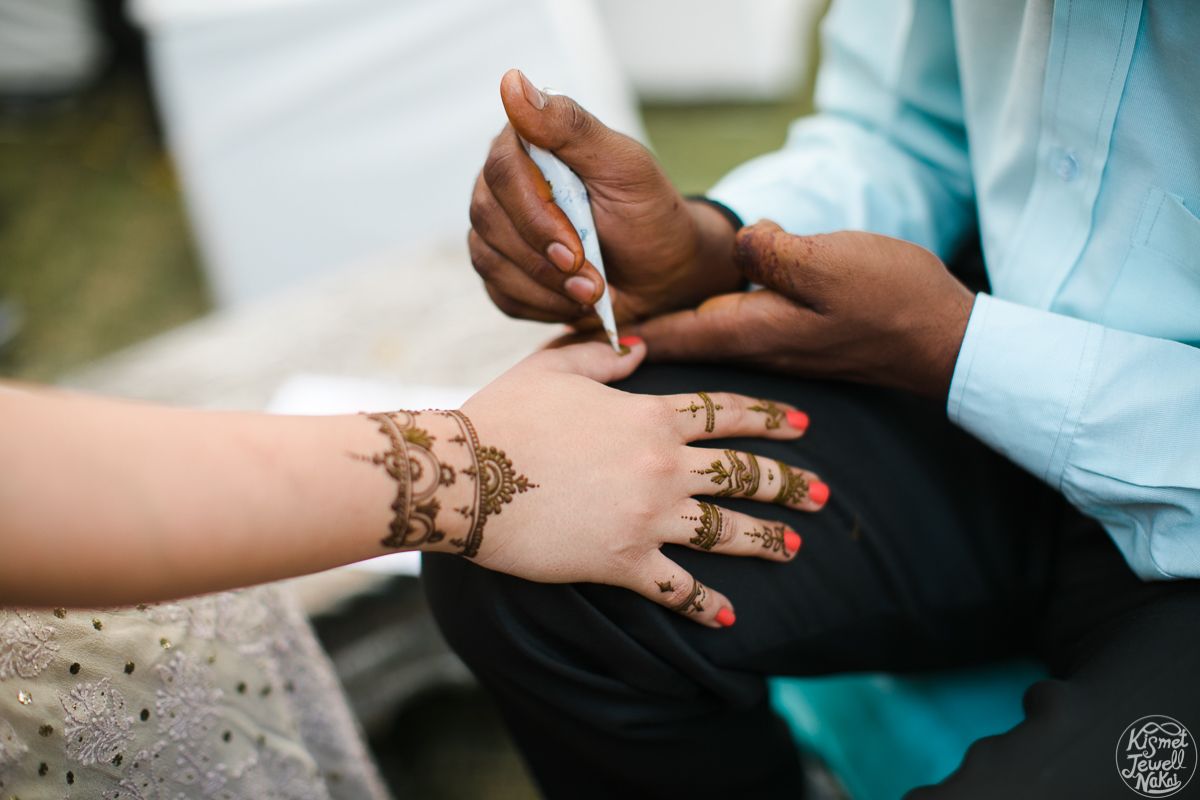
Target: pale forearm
column 109, row 502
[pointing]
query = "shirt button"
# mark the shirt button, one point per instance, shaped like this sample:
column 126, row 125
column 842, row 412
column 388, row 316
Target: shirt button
column 1066, row 166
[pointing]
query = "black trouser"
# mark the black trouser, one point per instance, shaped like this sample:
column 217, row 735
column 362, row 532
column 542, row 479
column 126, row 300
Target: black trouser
column 932, row 552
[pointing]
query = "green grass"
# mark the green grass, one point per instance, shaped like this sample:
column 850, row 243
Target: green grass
column 94, row 248
column 697, row 144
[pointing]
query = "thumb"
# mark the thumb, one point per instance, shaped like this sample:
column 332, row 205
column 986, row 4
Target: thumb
column 711, row 331
column 557, row 123
column 595, row 360
column 797, row 267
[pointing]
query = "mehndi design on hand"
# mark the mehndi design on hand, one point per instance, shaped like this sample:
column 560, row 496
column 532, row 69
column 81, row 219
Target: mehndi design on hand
column 710, row 410
column 694, row 602
column 739, row 477
column 771, row 537
column 711, row 527
column 495, row 484
column 420, row 473
column 775, row 414
column 793, row 487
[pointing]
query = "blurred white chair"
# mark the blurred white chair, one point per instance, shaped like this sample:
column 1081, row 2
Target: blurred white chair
column 311, row 134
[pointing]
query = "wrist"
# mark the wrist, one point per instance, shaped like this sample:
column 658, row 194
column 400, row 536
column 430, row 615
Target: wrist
column 941, row 344
column 712, row 269
column 428, row 461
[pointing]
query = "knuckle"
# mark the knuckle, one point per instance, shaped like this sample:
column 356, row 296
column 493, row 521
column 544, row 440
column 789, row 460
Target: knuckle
column 657, row 463
column 543, row 272
column 659, row 413
column 505, row 303
column 498, row 167
column 578, row 121
column 479, row 214
column 484, row 263
column 679, row 592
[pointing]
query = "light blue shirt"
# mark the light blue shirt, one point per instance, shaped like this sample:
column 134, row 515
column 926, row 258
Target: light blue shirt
column 1068, row 132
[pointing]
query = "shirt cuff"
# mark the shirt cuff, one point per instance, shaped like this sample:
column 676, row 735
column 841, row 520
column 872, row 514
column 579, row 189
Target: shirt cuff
column 1021, row 380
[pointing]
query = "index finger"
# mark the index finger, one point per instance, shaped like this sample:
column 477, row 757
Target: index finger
column 527, row 200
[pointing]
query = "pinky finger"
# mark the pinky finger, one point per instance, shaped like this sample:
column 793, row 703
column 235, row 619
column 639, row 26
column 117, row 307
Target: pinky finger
column 671, row 586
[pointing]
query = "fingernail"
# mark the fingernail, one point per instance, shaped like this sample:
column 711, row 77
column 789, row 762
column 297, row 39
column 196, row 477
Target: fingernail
column 561, row 256
column 818, row 492
column 580, row 289
column 791, row 541
column 532, row 94
column 725, row 617
column 630, row 341
column 798, row 420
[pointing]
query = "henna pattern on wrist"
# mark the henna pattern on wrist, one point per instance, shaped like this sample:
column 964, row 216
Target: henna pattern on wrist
column 665, row 586
column 740, row 477
column 694, row 602
column 771, row 537
column 711, row 527
column 709, row 407
column 495, row 484
column 793, row 487
column 419, row 473
column 774, row 413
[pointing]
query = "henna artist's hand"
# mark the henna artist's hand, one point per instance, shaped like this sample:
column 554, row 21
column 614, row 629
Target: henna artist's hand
column 848, row 305
column 660, row 252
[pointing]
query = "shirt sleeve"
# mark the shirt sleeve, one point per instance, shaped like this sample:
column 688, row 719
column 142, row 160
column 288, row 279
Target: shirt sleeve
column 1111, row 419
column 887, row 150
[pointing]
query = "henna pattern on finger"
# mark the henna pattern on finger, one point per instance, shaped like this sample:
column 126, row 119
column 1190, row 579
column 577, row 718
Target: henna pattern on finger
column 774, row 413
column 712, row 525
column 710, row 410
column 739, row 477
column 665, row 586
column 694, row 602
column 771, row 537
column 793, row 486
column 418, row 473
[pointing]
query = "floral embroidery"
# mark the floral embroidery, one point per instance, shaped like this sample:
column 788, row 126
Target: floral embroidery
column 11, row 746
column 178, row 727
column 187, row 702
column 96, row 727
column 27, row 645
column 290, row 778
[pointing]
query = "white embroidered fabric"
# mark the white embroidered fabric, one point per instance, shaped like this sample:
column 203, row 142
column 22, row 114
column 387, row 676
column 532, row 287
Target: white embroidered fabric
column 226, row 696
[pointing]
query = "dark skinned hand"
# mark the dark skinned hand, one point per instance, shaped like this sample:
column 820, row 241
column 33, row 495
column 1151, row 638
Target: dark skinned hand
column 847, row 305
column 661, row 252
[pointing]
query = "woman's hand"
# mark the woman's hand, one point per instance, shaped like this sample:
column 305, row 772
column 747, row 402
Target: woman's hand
column 609, row 478
column 849, row 305
column 660, row 252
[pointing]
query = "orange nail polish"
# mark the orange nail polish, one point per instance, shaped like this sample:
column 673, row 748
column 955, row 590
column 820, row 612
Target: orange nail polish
column 818, row 492
column 798, row 420
column 725, row 617
column 630, row 341
column 791, row 541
